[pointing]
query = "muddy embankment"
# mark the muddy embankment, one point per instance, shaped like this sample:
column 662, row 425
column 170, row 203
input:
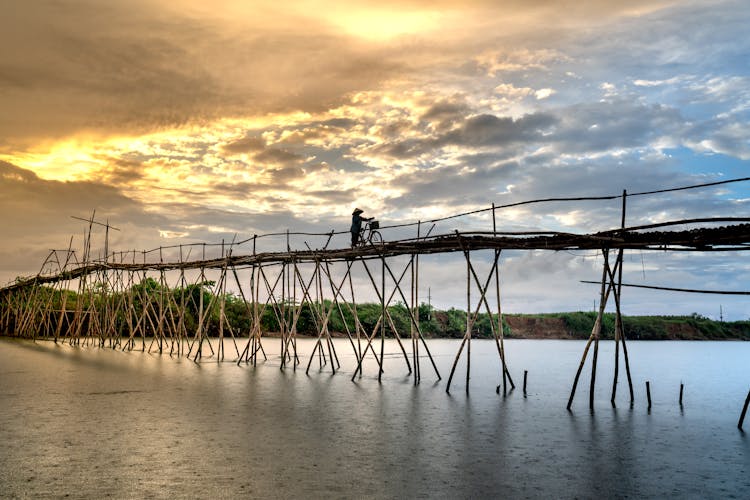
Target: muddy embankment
column 579, row 325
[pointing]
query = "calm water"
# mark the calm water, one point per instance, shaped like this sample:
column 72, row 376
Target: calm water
column 84, row 422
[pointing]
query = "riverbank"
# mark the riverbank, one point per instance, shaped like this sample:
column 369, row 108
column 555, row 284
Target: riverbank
column 568, row 326
column 578, row 325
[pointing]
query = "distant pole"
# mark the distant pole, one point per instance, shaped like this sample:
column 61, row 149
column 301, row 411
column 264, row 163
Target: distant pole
column 648, row 394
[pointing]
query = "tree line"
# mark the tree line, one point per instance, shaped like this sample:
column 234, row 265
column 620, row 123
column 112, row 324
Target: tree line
column 151, row 300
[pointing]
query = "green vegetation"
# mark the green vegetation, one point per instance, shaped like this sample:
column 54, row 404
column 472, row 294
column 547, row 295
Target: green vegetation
column 148, row 299
column 578, row 325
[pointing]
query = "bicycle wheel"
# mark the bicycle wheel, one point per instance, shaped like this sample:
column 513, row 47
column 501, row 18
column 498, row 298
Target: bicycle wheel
column 375, row 238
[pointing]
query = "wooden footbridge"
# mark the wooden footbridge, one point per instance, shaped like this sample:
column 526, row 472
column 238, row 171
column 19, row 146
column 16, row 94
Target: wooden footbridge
column 140, row 300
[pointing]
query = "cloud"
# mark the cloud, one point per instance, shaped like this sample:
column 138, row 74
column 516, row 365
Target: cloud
column 277, row 157
column 495, row 62
column 484, row 130
column 543, row 93
column 131, row 67
column 39, row 216
column 244, row 145
column 615, row 124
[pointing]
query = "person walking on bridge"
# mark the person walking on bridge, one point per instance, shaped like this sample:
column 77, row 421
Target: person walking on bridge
column 357, row 225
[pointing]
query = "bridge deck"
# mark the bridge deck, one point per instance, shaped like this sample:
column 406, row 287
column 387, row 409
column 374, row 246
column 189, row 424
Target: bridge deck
column 734, row 237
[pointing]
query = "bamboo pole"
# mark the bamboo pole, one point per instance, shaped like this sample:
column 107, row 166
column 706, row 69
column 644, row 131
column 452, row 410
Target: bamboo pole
column 414, row 328
column 618, row 315
column 619, row 288
column 469, row 323
column 246, row 352
column 329, row 340
column 369, row 337
column 414, row 310
column 397, row 289
column 604, row 294
column 467, row 334
column 744, row 411
column 336, row 291
column 596, row 337
column 357, row 328
column 298, row 309
column 316, row 308
column 471, row 318
column 499, row 341
column 382, row 314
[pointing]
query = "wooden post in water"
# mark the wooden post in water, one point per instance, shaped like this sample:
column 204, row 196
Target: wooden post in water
column 413, row 320
column 387, row 317
column 681, row 388
column 596, row 333
column 336, row 291
column 619, row 315
column 500, row 334
column 467, row 334
column 604, row 294
column 469, row 323
column 471, row 317
column 744, row 411
column 525, row 374
column 357, row 328
column 255, row 292
column 382, row 323
column 415, row 309
column 648, row 394
column 199, row 352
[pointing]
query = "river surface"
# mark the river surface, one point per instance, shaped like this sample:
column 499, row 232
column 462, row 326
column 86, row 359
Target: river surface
column 85, row 422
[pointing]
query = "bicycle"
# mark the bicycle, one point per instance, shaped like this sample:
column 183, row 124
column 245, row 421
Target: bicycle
column 373, row 235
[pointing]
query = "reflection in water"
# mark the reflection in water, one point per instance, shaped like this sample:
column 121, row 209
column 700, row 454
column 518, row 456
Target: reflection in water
column 89, row 422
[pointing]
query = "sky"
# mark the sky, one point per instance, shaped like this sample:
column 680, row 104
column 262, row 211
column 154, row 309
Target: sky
column 186, row 121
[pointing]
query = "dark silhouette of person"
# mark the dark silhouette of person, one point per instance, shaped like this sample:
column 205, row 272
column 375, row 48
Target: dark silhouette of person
column 357, row 225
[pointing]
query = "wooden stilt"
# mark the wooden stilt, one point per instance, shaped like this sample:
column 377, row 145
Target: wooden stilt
column 744, row 411
column 414, row 326
column 604, row 294
column 382, row 315
column 596, row 334
column 619, row 334
column 682, row 386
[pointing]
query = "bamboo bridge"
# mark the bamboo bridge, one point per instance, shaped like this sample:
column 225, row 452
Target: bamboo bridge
column 138, row 299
